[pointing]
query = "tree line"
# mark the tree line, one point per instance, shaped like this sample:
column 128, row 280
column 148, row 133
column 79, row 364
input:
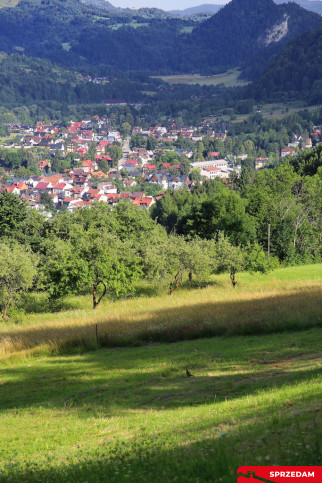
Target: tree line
column 104, row 252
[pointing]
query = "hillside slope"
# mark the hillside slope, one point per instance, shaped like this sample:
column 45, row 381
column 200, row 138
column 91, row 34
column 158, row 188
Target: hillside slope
column 204, row 8
column 74, row 34
column 27, row 80
column 295, row 73
column 246, row 30
column 131, row 414
column 311, row 5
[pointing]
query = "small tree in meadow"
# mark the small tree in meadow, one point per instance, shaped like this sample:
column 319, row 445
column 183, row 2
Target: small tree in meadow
column 100, row 261
column 18, row 268
column 226, row 257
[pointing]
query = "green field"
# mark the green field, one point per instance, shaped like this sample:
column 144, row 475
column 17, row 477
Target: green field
column 229, row 79
column 130, row 413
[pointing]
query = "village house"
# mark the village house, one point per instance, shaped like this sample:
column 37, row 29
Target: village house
column 211, row 172
column 287, row 152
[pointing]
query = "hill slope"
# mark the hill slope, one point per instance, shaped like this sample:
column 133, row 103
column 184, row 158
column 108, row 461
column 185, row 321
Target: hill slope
column 311, row 5
column 204, row 8
column 242, row 30
column 295, row 73
column 246, row 30
column 26, row 80
column 131, row 414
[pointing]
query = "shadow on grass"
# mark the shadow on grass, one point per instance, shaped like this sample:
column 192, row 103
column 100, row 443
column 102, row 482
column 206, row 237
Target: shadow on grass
column 118, row 378
column 280, row 439
column 295, row 311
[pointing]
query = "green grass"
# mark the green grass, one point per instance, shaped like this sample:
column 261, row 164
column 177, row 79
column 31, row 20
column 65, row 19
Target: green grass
column 229, row 79
column 131, row 414
column 286, row 299
column 275, row 111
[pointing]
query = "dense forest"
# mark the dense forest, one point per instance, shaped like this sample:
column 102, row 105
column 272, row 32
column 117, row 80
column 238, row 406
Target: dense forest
column 25, row 80
column 241, row 33
column 126, row 47
column 296, row 73
column 73, row 34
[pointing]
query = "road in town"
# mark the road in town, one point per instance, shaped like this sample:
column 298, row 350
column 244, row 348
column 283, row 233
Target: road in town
column 125, row 150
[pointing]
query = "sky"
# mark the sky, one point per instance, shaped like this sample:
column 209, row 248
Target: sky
column 164, row 4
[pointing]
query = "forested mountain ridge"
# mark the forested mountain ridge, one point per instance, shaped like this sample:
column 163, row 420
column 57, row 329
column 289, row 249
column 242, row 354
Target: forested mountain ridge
column 247, row 31
column 205, row 8
column 295, row 73
column 311, row 5
column 71, row 33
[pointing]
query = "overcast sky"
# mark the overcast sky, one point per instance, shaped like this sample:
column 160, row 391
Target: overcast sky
column 164, row 4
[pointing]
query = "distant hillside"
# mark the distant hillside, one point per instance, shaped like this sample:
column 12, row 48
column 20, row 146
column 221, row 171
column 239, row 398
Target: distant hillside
column 103, row 4
column 74, row 34
column 243, row 33
column 205, row 8
column 295, row 73
column 311, row 5
column 248, row 29
column 26, row 80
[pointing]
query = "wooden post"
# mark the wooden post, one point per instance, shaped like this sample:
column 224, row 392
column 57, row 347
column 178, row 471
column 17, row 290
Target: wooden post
column 268, row 241
column 96, row 332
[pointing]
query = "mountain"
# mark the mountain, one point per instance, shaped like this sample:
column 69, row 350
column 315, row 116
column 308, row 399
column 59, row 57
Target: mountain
column 83, row 36
column 311, row 5
column 246, row 30
column 205, row 8
column 296, row 72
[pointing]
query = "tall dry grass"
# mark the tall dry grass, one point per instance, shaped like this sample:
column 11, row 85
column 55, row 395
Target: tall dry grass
column 252, row 308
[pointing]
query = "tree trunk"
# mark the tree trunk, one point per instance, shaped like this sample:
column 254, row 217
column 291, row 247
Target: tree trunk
column 95, row 285
column 232, row 277
column 94, row 295
column 177, row 279
column 4, row 312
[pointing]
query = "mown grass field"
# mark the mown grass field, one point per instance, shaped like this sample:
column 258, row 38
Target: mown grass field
column 229, row 79
column 130, row 413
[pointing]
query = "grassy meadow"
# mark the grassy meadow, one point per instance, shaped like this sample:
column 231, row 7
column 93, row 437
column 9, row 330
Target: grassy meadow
column 127, row 412
column 229, row 79
column 262, row 303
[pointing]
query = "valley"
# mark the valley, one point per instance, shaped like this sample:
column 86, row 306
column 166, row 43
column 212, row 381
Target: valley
column 160, row 240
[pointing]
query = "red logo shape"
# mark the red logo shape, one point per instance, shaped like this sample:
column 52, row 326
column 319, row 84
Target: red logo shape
column 279, row 474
